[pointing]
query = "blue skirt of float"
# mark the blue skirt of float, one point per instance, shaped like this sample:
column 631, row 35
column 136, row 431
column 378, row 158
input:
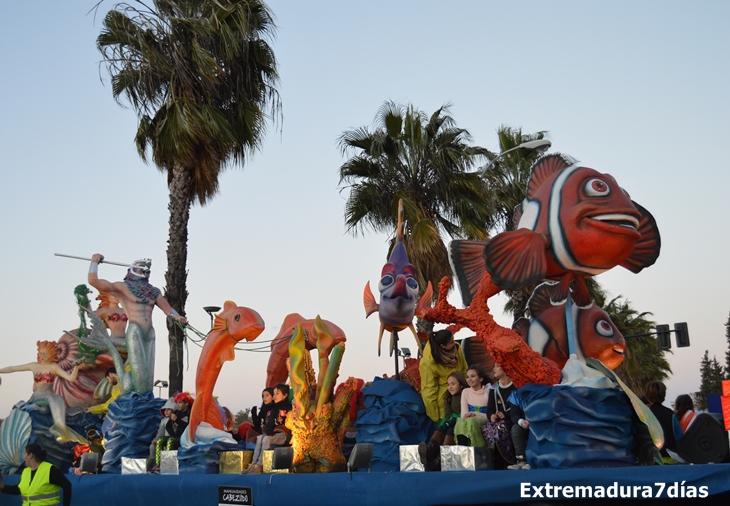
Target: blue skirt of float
column 577, row 426
column 130, row 425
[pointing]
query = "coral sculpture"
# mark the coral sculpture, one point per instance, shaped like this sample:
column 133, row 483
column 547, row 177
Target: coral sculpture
column 317, row 422
column 518, row 360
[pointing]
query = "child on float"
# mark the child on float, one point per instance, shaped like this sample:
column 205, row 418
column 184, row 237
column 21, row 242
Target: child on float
column 275, row 432
column 507, row 429
column 684, row 415
column 260, row 416
column 468, row 428
column 162, row 438
column 444, row 434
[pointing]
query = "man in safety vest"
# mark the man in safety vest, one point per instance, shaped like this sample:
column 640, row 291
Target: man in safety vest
column 41, row 482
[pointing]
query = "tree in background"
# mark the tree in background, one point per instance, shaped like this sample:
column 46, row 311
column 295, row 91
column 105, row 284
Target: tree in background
column 202, row 77
column 506, row 179
column 427, row 161
column 711, row 373
column 644, row 360
column 243, row 415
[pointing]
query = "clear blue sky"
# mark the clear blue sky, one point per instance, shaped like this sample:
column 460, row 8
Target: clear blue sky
column 634, row 89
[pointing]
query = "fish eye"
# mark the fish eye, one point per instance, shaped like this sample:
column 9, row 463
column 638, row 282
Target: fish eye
column 604, row 328
column 597, row 188
column 386, row 281
column 237, row 318
column 412, row 283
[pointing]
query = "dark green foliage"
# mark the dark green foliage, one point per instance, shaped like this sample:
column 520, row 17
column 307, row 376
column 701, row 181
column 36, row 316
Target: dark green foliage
column 242, row 416
column 202, row 77
column 711, row 374
column 427, row 161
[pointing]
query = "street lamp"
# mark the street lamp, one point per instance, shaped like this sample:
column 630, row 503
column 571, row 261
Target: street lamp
column 539, row 145
column 210, row 310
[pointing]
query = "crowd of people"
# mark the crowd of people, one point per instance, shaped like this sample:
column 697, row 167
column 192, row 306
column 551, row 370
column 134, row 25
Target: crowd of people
column 473, row 410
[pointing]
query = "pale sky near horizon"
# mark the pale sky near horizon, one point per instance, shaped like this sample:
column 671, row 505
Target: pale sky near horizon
column 634, row 89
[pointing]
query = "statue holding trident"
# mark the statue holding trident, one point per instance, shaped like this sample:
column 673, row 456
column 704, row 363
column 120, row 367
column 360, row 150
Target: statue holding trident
column 138, row 298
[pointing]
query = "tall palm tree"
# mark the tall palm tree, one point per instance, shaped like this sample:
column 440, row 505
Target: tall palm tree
column 427, row 161
column 202, row 78
column 506, row 177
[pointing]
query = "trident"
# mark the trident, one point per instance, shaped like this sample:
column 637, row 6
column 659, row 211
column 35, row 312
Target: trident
column 89, row 260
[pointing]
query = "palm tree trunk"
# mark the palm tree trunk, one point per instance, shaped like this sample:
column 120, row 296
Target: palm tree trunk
column 176, row 276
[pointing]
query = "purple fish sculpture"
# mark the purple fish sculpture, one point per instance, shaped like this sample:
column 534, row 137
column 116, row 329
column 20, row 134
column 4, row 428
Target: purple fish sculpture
column 398, row 288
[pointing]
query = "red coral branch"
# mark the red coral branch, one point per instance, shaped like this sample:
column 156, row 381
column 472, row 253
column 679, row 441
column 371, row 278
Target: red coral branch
column 521, row 363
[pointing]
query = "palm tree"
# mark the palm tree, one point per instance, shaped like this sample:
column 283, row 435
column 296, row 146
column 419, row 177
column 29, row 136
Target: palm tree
column 425, row 161
column 506, row 177
column 644, row 361
column 202, row 77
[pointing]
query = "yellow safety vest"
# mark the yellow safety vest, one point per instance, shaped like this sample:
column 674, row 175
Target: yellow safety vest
column 39, row 492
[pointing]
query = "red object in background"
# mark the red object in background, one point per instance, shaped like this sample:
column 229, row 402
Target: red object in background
column 725, row 402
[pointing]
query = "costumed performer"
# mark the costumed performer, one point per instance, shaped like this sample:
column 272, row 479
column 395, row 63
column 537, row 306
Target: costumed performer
column 163, row 438
column 138, row 298
column 441, row 357
column 276, row 432
column 113, row 379
column 656, row 392
column 684, row 414
column 41, row 482
column 261, row 416
column 44, row 373
column 429, row 452
column 468, row 429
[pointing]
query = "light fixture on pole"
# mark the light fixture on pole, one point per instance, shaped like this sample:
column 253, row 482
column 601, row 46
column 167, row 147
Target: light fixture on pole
column 539, row 145
column 210, row 310
column 160, row 384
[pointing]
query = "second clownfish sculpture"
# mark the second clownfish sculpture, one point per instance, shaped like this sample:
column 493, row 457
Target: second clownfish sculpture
column 398, row 288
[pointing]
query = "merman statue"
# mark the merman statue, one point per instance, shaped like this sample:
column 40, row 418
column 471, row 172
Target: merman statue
column 138, row 298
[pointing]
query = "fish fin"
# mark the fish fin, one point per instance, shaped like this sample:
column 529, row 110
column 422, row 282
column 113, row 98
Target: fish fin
column 581, row 295
column 522, row 327
column 540, row 298
column 425, row 302
column 213, row 416
column 516, row 259
column 560, row 290
column 543, row 169
column 646, row 250
column 227, row 354
column 392, row 342
column 415, row 334
column 475, row 353
column 369, row 301
column 467, row 262
column 380, row 337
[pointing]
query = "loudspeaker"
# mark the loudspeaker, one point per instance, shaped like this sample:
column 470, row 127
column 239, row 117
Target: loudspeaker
column 89, row 462
column 705, row 441
column 283, row 457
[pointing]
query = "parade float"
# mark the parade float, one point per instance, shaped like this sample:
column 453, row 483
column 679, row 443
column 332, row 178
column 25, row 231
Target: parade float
column 575, row 223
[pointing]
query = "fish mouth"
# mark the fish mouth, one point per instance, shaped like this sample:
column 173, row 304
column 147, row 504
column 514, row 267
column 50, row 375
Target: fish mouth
column 619, row 351
column 618, row 219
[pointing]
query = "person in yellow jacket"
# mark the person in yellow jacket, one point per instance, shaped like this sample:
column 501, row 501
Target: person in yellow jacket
column 101, row 409
column 41, row 482
column 441, row 357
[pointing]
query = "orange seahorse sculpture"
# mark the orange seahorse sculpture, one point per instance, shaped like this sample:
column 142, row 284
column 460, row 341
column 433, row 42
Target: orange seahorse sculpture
column 230, row 326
